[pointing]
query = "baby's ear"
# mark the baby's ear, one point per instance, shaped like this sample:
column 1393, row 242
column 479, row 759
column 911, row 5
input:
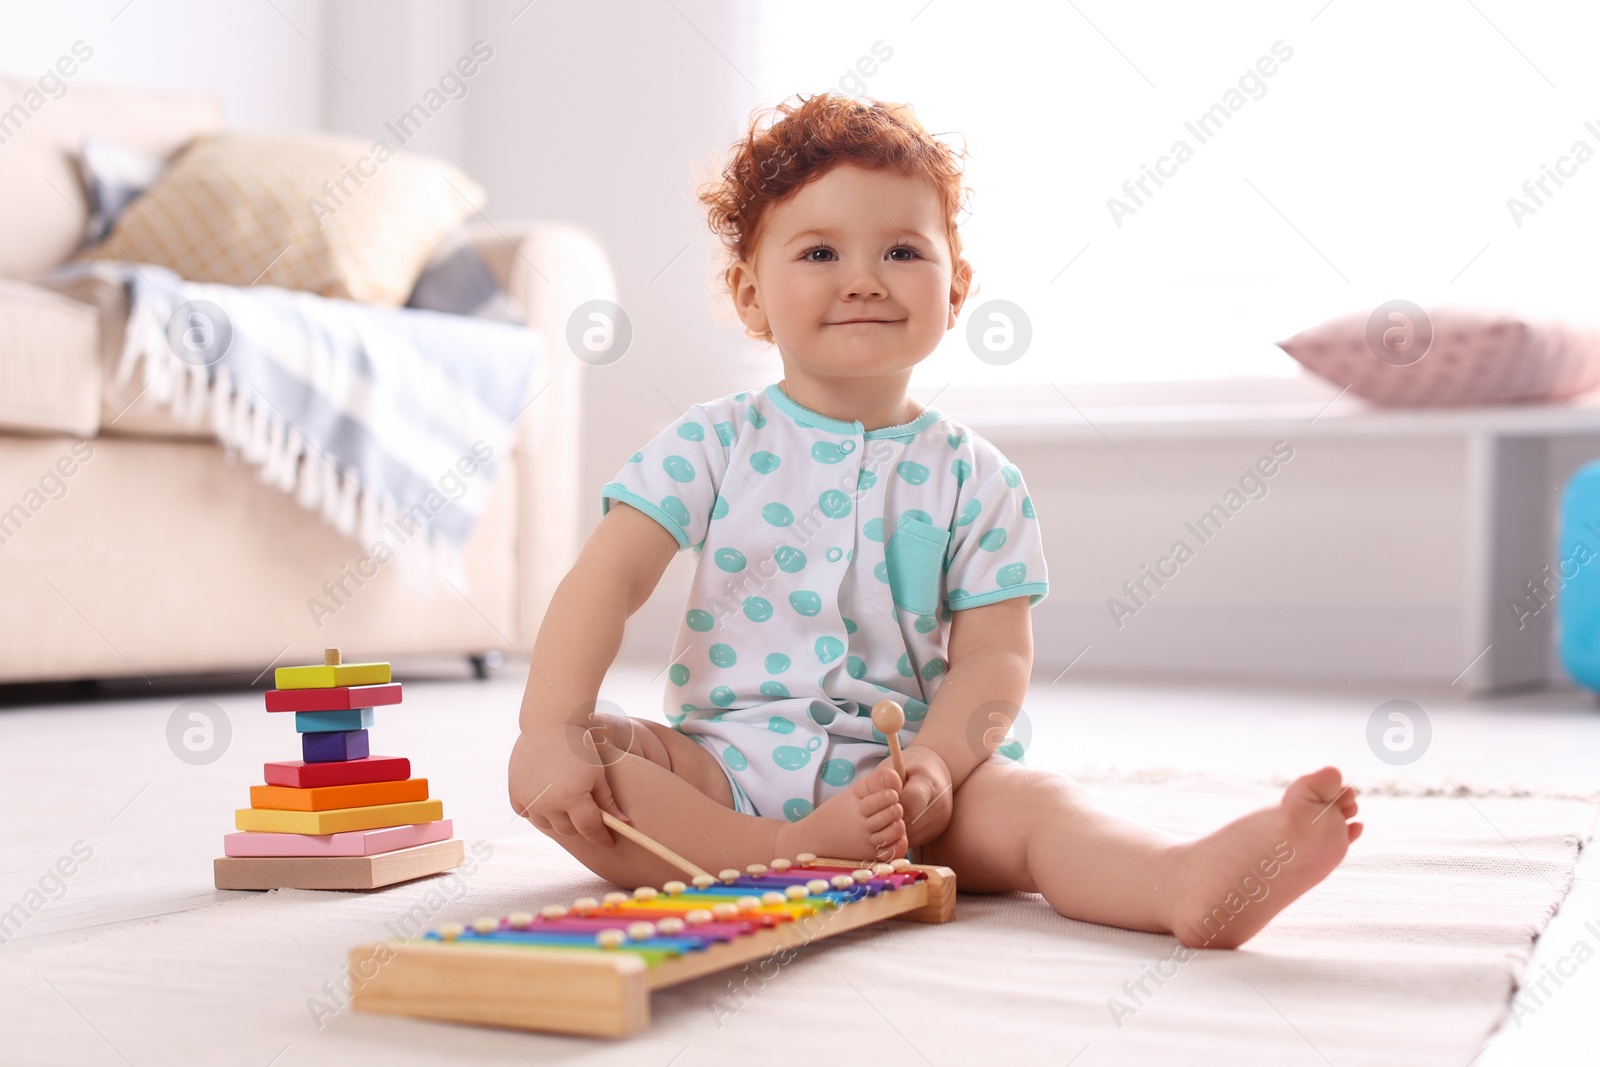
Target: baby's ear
column 960, row 287
column 747, row 299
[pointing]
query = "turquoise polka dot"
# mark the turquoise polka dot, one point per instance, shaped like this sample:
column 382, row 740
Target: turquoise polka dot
column 933, row 668
column 992, row 540
column 916, row 710
column 789, row 559
column 903, row 665
column 699, row 621
column 678, row 673
column 729, row 559
column 1011, row 750
column 777, row 663
column 637, row 457
column 735, row 759
column 838, row 772
column 874, row 530
column 1027, row 508
column 720, row 508
column 675, row 510
column 829, row 649
column 725, row 432
column 675, row 717
column 915, row 473
column 791, row 757
column 962, row 470
column 834, row 504
column 774, row 689
column 827, row 452
column 969, row 512
column 757, row 609
column 850, row 626
column 881, row 572
column 722, row 655
column 796, row 809
column 955, row 439
column 805, row 602
column 678, row 469
column 955, row 594
column 777, row 515
column 856, row 666
column 740, row 395
column 755, row 417
column 926, row 624
column 1012, row 476
column 722, row 696
column 865, row 479
column 779, row 725
column 834, row 555
column 764, row 462
column 1011, row 574
column 692, row 431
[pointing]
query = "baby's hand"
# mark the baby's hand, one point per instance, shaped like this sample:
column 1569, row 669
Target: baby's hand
column 926, row 797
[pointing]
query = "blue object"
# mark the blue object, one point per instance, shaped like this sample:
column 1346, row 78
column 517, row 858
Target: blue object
column 320, row 722
column 334, row 746
column 1576, row 574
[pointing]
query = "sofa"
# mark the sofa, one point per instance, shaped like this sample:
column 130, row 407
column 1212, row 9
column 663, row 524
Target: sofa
column 133, row 546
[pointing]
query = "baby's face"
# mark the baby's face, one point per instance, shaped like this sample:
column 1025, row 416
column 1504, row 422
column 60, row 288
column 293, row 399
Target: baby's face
column 852, row 274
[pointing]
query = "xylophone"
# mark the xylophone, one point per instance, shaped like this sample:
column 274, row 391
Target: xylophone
column 589, row 968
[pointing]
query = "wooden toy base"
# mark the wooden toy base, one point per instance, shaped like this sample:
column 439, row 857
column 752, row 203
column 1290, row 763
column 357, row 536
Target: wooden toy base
column 593, row 994
column 337, row 872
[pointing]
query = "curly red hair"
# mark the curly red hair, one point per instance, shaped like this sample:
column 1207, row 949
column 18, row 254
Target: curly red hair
column 791, row 144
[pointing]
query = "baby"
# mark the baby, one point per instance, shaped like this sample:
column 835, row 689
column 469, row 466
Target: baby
column 853, row 546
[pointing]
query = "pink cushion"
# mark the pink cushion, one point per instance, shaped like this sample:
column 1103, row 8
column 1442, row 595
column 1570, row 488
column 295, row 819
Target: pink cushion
column 1481, row 357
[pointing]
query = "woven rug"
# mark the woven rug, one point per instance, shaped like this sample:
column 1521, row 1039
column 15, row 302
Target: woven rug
column 1408, row 954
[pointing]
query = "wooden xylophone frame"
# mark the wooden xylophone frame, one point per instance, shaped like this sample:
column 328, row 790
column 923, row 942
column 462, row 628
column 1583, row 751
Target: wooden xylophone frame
column 597, row 994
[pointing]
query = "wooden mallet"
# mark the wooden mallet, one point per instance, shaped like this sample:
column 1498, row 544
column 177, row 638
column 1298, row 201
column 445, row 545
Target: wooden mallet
column 890, row 718
column 650, row 844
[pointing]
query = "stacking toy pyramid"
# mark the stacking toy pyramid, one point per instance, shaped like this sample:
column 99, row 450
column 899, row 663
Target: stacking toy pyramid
column 340, row 818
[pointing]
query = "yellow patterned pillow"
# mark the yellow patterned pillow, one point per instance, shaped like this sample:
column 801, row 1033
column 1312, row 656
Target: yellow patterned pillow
column 325, row 213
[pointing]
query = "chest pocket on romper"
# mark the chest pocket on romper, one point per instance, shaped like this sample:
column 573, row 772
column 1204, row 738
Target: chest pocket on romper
column 915, row 559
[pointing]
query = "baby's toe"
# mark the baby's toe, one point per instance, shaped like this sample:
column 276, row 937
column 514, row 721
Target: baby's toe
column 881, row 779
column 882, row 800
column 885, row 817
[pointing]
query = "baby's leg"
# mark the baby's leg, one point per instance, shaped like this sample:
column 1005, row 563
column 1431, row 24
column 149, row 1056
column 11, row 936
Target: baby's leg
column 1016, row 828
column 675, row 792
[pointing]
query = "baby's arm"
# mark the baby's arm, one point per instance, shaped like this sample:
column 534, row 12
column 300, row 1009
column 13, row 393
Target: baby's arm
column 614, row 575
column 989, row 660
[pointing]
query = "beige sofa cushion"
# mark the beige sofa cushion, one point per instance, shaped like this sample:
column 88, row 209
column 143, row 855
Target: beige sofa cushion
column 322, row 213
column 49, row 362
column 43, row 208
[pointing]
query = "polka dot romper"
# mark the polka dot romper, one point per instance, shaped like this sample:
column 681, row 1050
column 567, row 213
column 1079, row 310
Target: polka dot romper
column 829, row 559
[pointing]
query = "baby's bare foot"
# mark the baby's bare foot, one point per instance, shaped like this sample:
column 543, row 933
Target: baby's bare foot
column 865, row 821
column 1237, row 878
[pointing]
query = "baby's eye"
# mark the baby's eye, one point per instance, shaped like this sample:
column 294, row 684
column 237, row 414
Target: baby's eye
column 810, row 254
column 910, row 253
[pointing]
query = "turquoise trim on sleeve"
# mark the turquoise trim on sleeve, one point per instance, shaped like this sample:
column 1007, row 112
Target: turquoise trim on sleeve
column 615, row 491
column 1034, row 591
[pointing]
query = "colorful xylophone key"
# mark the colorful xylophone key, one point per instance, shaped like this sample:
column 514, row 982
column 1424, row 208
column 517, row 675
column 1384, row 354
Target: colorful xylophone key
column 589, row 967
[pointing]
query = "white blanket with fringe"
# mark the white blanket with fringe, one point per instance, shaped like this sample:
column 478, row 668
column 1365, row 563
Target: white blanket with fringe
column 388, row 421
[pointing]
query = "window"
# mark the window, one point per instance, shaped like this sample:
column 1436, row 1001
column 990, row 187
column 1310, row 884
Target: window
column 1374, row 162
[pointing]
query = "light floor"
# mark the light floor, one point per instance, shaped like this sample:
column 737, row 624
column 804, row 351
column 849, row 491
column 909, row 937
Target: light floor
column 101, row 775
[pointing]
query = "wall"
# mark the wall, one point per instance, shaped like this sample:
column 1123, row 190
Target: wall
column 261, row 61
